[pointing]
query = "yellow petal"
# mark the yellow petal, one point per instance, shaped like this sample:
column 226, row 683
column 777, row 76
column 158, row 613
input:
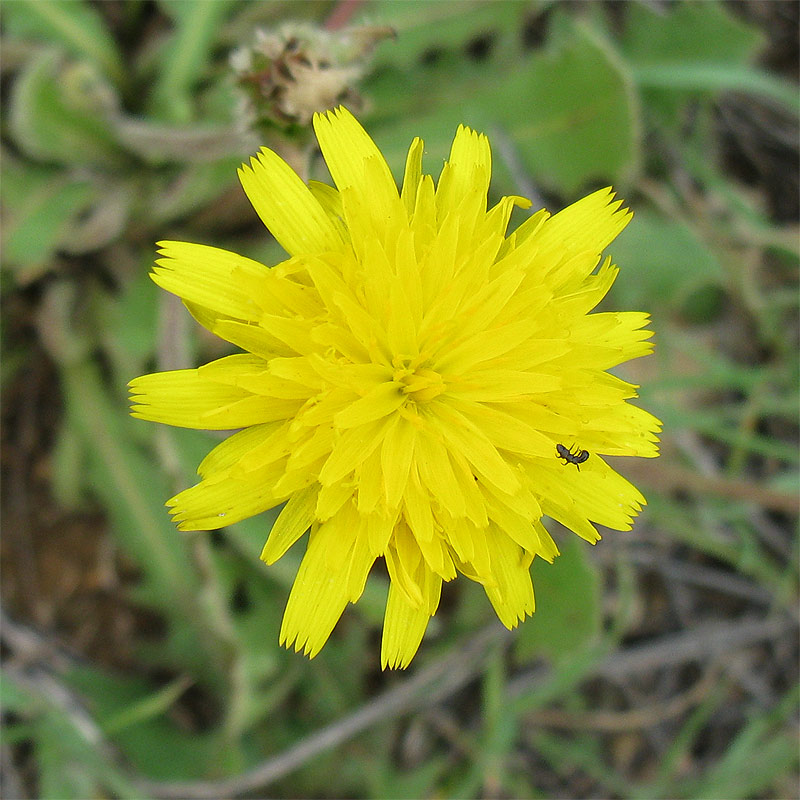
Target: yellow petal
column 589, row 225
column 248, row 335
column 512, row 594
column 472, row 443
column 293, row 521
column 403, row 557
column 493, row 385
column 437, row 475
column 397, row 453
column 437, row 556
column 379, row 530
column 228, row 452
column 405, row 623
column 412, row 175
column 355, row 161
column 307, row 451
column 331, row 201
column 317, row 599
column 205, row 275
column 369, row 478
column 352, row 448
column 466, row 172
column 332, row 498
column 417, row 508
column 286, row 206
column 377, row 404
column 506, row 431
column 215, row 503
column 359, row 563
column 187, row 400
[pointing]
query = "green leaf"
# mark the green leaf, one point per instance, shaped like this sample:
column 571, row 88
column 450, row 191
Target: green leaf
column 158, row 143
column 51, row 118
column 149, row 707
column 662, row 263
column 132, row 322
column 567, row 616
column 132, row 714
column 184, row 59
column 714, row 424
column 581, row 755
column 14, row 697
column 423, row 27
column 710, row 78
column 390, row 783
column 69, row 468
column 133, row 491
column 40, row 208
column 687, row 33
column 76, row 26
column 194, row 187
column 744, row 777
column 573, row 114
column 735, row 775
column 69, row 762
column 696, row 48
column 570, row 110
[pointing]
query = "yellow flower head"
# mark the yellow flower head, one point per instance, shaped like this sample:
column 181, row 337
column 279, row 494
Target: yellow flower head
column 417, row 383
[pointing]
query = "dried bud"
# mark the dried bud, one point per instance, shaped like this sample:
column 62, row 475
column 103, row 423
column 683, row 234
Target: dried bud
column 290, row 73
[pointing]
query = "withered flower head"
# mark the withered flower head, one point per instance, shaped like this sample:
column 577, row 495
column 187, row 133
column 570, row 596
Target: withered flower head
column 289, row 74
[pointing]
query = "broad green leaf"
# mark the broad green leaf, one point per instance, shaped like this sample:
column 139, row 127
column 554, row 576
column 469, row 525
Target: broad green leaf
column 572, row 113
column 51, row 119
column 569, row 111
column 104, row 221
column 662, row 262
column 686, row 33
column 691, row 48
column 76, row 26
column 424, row 28
column 567, row 616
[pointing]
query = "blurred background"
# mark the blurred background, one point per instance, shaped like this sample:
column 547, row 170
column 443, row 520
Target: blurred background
column 140, row 662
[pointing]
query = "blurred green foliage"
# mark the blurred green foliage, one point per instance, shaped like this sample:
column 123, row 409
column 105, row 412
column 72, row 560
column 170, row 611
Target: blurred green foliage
column 121, row 128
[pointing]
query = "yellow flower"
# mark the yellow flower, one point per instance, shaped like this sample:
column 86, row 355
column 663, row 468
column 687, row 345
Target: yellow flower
column 410, row 372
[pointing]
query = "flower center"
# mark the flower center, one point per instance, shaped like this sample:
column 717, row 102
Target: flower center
column 419, row 383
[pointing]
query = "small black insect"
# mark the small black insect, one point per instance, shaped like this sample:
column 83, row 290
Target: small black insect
column 577, row 458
